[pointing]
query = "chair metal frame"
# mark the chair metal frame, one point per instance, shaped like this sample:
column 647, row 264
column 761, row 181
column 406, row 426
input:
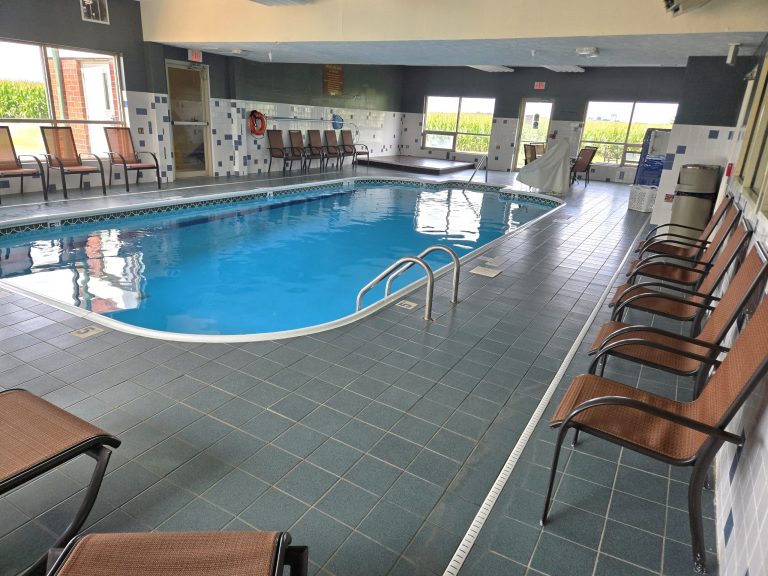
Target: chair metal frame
column 333, row 150
column 65, row 169
column 20, row 167
column 576, row 168
column 350, row 148
column 280, row 152
column 315, row 151
column 121, row 160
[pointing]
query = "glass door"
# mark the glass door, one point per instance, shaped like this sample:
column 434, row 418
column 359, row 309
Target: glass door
column 188, row 97
column 533, row 127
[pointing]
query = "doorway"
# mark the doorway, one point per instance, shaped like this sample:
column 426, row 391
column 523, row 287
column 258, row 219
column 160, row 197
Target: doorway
column 188, row 102
column 99, row 100
column 533, row 127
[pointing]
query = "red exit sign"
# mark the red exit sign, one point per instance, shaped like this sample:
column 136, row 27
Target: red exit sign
column 195, row 55
column 539, row 85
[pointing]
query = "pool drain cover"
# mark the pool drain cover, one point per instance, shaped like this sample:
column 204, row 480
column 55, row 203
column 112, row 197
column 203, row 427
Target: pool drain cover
column 487, row 272
column 87, row 331
column 407, row 304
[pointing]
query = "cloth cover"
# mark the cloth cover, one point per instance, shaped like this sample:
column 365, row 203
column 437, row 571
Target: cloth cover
column 550, row 173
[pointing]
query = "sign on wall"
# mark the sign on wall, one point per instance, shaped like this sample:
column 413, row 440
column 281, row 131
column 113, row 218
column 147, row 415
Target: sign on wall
column 94, row 11
column 195, row 55
column 333, row 80
column 539, row 85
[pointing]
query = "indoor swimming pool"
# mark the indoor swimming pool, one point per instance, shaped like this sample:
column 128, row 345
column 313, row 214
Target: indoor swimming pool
column 283, row 262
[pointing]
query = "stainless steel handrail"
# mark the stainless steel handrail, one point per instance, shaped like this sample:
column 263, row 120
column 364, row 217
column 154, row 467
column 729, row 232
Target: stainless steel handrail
column 456, row 270
column 484, row 160
column 407, row 259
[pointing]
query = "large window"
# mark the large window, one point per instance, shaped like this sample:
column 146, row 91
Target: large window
column 458, row 124
column 752, row 164
column 617, row 128
column 51, row 86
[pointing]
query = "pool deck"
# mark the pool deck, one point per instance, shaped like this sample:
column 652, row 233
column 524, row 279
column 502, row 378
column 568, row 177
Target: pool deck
column 376, row 443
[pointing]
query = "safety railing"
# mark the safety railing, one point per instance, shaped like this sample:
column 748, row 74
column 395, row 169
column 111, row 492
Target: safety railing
column 424, row 254
column 405, row 260
column 483, row 160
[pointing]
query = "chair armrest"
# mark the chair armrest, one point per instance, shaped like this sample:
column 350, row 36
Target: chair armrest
column 363, row 145
column 671, row 297
column 664, row 257
column 154, row 156
column 88, row 154
column 652, row 330
column 669, row 225
column 693, row 244
column 119, row 156
column 35, row 158
column 608, row 349
column 50, row 157
column 666, row 286
column 653, row 411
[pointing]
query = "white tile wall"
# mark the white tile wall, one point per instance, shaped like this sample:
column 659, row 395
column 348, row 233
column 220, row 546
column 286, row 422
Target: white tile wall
column 690, row 144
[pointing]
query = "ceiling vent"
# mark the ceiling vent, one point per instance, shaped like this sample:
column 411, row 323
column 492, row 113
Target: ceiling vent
column 588, row 51
column 492, row 68
column 677, row 7
column 565, row 68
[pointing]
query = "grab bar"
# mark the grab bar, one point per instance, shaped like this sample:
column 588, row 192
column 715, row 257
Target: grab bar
column 483, row 160
column 456, row 270
column 407, row 259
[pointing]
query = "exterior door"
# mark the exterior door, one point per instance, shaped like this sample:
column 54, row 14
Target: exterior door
column 99, row 101
column 188, row 98
column 533, row 127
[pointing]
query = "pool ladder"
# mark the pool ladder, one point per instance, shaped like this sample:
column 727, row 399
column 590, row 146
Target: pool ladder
column 404, row 264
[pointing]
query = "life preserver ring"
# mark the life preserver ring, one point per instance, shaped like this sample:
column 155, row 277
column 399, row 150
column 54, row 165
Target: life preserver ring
column 257, row 123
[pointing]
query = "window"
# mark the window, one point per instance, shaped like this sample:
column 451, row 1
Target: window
column 618, row 128
column 50, row 86
column 458, row 124
column 752, row 164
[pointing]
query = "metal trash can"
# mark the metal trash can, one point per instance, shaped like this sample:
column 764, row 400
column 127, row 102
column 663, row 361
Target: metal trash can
column 695, row 196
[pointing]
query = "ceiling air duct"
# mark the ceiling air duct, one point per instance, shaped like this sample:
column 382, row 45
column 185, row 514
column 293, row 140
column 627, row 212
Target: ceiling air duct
column 677, row 7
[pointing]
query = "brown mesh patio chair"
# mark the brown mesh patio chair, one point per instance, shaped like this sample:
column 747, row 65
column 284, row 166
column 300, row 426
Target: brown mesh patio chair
column 677, row 433
column 332, row 148
column 683, row 271
column 62, row 155
column 36, row 436
column 297, row 145
column 352, row 149
column 658, row 241
column 122, row 153
column 10, row 162
column 530, row 153
column 277, row 149
column 682, row 355
column 182, row 554
column 677, row 302
column 583, row 164
column 315, row 150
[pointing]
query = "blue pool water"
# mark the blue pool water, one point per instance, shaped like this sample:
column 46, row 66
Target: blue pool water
column 256, row 266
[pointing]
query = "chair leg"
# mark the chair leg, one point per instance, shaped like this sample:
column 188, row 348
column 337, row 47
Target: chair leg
column 138, row 172
column 81, row 181
column 553, row 472
column 21, row 185
column 103, row 184
column 157, row 173
column 63, row 183
column 270, row 164
column 125, row 174
column 101, row 455
column 297, row 559
column 695, row 488
column 110, row 174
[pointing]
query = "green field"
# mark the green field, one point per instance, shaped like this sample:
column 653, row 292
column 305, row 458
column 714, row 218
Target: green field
column 606, row 131
column 24, row 100
column 475, row 124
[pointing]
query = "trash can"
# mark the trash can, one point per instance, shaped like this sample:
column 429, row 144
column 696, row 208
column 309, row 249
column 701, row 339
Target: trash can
column 695, row 196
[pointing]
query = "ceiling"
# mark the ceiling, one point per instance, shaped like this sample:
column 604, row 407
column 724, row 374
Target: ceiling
column 648, row 50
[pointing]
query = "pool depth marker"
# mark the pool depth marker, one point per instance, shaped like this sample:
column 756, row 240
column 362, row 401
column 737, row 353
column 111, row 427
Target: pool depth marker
column 465, row 546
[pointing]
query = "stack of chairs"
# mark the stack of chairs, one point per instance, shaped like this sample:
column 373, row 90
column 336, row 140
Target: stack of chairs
column 688, row 283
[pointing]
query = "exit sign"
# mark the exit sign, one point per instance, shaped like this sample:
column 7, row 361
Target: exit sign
column 539, row 85
column 195, row 55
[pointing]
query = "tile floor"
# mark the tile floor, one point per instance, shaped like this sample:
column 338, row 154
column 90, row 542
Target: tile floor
column 375, row 443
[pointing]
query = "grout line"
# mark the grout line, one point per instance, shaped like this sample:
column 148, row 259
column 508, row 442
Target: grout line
column 465, row 546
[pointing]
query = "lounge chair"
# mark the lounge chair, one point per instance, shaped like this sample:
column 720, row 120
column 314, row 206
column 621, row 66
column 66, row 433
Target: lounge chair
column 315, row 150
column 677, row 433
column 681, row 355
column 658, row 241
column 278, row 150
column 122, row 153
column 10, row 162
column 530, row 153
column 36, row 436
column 677, row 302
column 332, row 149
column 62, row 155
column 352, row 149
column 297, row 145
column 583, row 164
column 182, row 554
column 685, row 272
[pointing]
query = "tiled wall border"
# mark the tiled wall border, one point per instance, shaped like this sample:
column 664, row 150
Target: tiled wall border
column 267, row 193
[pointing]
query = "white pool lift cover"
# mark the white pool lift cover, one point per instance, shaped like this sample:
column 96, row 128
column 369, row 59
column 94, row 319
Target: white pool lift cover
column 551, row 172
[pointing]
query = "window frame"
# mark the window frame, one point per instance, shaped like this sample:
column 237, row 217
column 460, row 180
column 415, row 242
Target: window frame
column 456, row 133
column 52, row 119
column 627, row 146
column 755, row 141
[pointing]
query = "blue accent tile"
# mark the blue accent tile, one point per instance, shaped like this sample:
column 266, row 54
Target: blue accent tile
column 728, row 528
column 141, row 111
column 216, row 174
column 118, row 175
column 157, row 98
column 734, row 464
column 169, row 167
column 142, row 143
column 227, row 136
column 730, row 137
column 669, row 159
column 160, row 137
column 213, row 130
column 218, row 142
column 162, row 174
column 681, row 149
column 166, row 118
column 216, row 103
column 164, row 99
column 5, row 184
column 220, row 164
column 152, row 105
column 229, row 116
column 150, row 127
column 713, row 134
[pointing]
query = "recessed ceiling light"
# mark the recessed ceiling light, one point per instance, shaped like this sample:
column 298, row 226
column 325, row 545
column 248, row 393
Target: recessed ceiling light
column 588, row 51
column 564, row 68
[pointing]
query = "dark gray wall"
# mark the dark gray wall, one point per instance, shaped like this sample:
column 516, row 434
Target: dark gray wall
column 713, row 91
column 373, row 87
column 59, row 22
column 157, row 81
column 570, row 91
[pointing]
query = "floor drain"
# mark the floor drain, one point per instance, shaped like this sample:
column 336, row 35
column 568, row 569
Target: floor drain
column 87, row 331
column 484, row 271
column 407, row 304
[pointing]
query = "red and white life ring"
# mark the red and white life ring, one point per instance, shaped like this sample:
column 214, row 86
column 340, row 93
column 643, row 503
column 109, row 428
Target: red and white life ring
column 258, row 123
